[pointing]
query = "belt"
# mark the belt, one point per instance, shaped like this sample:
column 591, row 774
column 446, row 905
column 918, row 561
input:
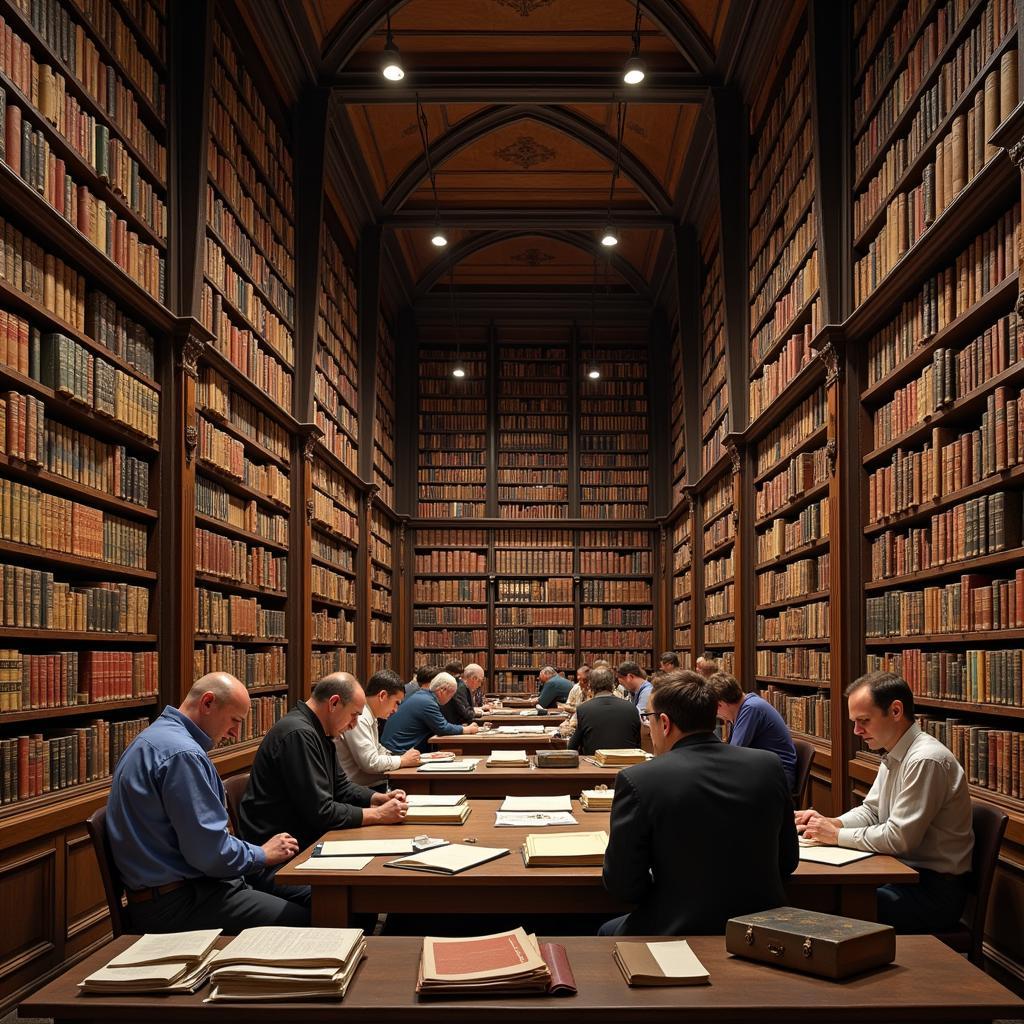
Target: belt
column 151, row 893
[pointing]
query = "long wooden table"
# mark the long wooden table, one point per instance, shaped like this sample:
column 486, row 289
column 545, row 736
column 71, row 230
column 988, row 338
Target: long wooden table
column 506, row 885
column 482, row 743
column 514, row 718
column 928, row 982
column 496, row 783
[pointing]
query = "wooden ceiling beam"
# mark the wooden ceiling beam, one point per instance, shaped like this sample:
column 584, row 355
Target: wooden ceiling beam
column 525, row 217
column 485, row 306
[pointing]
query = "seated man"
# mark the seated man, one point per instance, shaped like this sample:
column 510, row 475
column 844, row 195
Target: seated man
column 461, row 709
column 700, row 833
column 296, row 779
column 668, row 662
column 424, row 674
column 604, row 722
column 554, row 688
column 168, row 825
column 707, row 667
column 637, row 686
column 755, row 723
column 918, row 809
column 420, row 717
column 577, row 695
column 363, row 758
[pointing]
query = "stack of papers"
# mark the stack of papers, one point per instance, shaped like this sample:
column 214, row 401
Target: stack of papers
column 287, row 963
column 450, row 859
column 596, row 799
column 521, row 730
column 491, row 964
column 536, row 803
column 435, row 815
column 175, row 962
column 565, row 849
column 508, row 759
column 438, row 755
column 836, row 856
column 466, row 764
column 615, row 758
column 435, row 799
column 526, row 712
column 660, row 963
column 332, row 848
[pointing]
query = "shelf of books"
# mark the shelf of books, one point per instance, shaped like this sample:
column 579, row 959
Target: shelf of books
column 244, row 392
column 450, row 603
column 617, row 580
column 534, row 609
column 384, row 415
column 718, row 584
column 335, row 540
column 936, row 250
column 614, row 436
column 382, row 562
column 533, row 431
column 714, row 389
column 452, row 417
column 791, row 572
column 82, row 336
column 336, row 367
column 682, row 589
column 677, row 424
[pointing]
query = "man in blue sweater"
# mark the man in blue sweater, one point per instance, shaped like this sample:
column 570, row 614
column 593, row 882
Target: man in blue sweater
column 755, row 723
column 419, row 717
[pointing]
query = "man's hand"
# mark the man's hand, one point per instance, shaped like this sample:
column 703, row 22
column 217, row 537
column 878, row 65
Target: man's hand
column 390, row 810
column 471, row 730
column 410, row 759
column 382, row 798
column 280, row 848
column 486, row 707
column 802, row 817
column 823, row 830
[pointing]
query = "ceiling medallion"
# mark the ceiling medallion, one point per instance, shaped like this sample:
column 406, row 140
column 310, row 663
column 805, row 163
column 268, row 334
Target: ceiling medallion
column 532, row 257
column 524, row 7
column 526, row 152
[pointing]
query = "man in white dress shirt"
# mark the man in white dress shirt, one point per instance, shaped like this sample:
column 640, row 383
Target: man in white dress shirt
column 360, row 753
column 918, row 809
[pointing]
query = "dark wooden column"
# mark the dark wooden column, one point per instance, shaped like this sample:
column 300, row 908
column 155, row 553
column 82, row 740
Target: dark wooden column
column 687, row 268
column 659, row 402
column 741, row 459
column 406, row 411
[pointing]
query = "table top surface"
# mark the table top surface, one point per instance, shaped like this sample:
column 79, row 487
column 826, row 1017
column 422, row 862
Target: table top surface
column 512, row 717
column 927, row 981
column 511, row 871
column 492, row 738
column 574, row 778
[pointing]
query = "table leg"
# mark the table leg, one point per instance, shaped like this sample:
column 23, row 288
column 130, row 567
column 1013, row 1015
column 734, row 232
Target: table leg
column 858, row 901
column 330, row 907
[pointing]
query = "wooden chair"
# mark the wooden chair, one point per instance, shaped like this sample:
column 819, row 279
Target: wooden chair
column 804, row 759
column 113, row 884
column 235, row 789
column 989, row 827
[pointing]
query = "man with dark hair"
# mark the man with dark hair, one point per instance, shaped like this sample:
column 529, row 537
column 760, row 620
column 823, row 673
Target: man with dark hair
column 636, row 684
column 604, row 722
column 669, row 661
column 420, row 717
column 702, row 832
column 918, row 809
column 296, row 779
column 423, row 677
column 461, row 709
column 554, row 688
column 168, row 826
column 362, row 756
column 755, row 723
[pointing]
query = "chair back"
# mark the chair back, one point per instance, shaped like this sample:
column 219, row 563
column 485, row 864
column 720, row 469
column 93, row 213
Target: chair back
column 235, row 788
column 989, row 828
column 804, row 758
column 113, row 883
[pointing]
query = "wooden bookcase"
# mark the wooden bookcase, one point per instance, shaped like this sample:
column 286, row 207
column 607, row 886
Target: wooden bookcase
column 381, row 576
column 384, row 416
column 682, row 587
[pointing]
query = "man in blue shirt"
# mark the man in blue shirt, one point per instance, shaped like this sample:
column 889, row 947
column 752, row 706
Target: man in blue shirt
column 755, row 723
column 554, row 688
column 638, row 687
column 168, row 825
column 419, row 717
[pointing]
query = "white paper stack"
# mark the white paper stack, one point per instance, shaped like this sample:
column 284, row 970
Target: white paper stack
column 521, row 730
column 508, row 759
column 467, row 764
column 597, row 799
column 175, row 962
column 287, row 963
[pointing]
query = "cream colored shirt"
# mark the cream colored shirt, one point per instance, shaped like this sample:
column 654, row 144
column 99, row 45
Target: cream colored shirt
column 360, row 754
column 918, row 809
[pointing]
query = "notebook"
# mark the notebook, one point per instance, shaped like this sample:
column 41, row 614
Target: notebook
column 834, row 855
column 659, row 963
column 368, row 847
column 438, row 815
column 565, row 849
column 536, row 803
column 507, row 759
column 449, row 860
column 435, row 799
column 467, row 764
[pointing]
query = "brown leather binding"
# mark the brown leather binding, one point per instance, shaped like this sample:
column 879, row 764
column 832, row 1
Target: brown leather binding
column 558, row 759
column 563, row 982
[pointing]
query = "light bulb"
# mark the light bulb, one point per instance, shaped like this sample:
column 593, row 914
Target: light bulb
column 459, row 371
column 634, row 73
column 438, row 239
column 609, row 238
column 391, row 62
column 594, row 373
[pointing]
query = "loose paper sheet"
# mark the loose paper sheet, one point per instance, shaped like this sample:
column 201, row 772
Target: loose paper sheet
column 334, row 863
column 677, row 960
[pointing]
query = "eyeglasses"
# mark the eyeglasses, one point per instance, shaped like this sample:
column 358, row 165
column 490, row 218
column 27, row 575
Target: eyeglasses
column 646, row 716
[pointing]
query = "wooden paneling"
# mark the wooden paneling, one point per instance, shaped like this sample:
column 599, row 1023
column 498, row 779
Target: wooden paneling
column 84, row 900
column 31, row 940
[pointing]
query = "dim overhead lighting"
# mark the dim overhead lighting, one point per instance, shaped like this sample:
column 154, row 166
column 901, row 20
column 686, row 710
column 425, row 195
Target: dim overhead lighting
column 438, row 238
column 634, row 73
column 391, row 59
column 459, row 371
column 609, row 238
column 594, row 373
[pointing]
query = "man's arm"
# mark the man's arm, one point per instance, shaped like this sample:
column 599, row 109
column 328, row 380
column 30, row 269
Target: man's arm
column 743, row 728
column 575, row 739
column 200, row 821
column 314, row 802
column 627, row 861
column 462, row 706
column 789, row 844
column 437, row 723
column 548, row 693
column 371, row 757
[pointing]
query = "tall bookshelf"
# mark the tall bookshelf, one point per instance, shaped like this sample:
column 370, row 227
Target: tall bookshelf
column 452, row 413
column 682, row 588
column 718, row 571
column 614, row 438
column 381, row 574
column 533, row 431
column 677, row 425
column 714, row 390
column 936, row 209
column 384, row 415
column 244, row 392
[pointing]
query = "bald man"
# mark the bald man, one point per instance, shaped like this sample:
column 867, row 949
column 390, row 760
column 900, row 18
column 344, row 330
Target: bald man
column 168, row 826
column 296, row 781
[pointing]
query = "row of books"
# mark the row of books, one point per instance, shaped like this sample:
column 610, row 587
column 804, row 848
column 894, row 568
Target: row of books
column 539, row 492
column 807, row 418
column 230, row 615
column 721, row 632
column 504, row 637
column 978, row 676
column 455, row 591
column 380, row 632
column 682, row 586
column 775, row 375
column 632, row 591
column 718, row 570
column 329, row 512
column 67, row 679
column 340, row 556
column 797, row 663
column 453, row 615
column 263, row 713
column 32, row 599
column 331, row 586
column 533, row 562
column 720, row 602
column 782, row 267
column 217, row 399
column 255, row 668
column 34, row 766
column 325, row 662
column 805, row 576
column 992, row 758
column 235, row 560
column 451, row 561
column 797, row 298
column 446, row 638
column 238, row 213
column 553, row 591
column 244, row 514
column 802, row 622
column 227, row 453
column 512, row 615
column 802, row 473
column 720, row 531
column 782, row 536
column 810, row 714
column 533, row 660
column 338, row 628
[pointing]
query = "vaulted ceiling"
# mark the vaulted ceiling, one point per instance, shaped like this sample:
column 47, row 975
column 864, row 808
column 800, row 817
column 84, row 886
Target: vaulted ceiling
column 522, row 100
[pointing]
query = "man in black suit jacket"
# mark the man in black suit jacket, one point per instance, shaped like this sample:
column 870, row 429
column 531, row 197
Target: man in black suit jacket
column 704, row 831
column 604, row 721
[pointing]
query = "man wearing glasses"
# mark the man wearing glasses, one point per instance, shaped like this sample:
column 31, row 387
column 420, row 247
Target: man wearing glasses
column 604, row 722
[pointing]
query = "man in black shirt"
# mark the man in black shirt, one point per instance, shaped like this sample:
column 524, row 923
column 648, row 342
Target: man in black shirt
column 605, row 722
column 296, row 777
